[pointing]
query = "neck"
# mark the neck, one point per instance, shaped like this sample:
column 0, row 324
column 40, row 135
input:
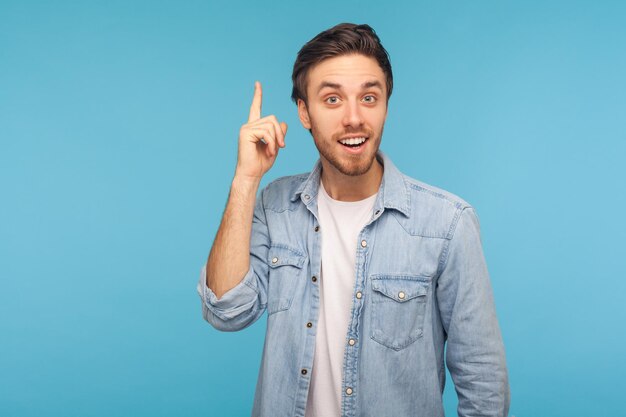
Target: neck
column 343, row 187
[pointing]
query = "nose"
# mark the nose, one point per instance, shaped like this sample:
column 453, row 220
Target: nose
column 352, row 116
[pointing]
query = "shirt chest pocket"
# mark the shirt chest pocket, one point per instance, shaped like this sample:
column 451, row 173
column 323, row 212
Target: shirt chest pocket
column 285, row 271
column 398, row 306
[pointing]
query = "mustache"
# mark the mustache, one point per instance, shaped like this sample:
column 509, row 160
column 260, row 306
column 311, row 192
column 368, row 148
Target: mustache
column 364, row 132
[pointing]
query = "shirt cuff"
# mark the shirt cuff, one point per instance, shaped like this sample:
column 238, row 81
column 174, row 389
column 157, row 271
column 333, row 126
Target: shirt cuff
column 235, row 301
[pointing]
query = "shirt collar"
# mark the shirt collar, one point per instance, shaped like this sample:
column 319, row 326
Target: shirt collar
column 393, row 192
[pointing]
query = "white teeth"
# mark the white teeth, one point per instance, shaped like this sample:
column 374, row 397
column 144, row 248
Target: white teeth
column 352, row 141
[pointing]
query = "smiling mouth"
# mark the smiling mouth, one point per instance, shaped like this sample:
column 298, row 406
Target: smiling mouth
column 354, row 142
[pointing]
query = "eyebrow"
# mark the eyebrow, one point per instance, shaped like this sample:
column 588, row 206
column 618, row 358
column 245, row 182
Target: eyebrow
column 365, row 85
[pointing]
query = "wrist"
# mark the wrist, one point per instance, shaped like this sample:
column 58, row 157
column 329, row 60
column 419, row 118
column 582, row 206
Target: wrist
column 247, row 181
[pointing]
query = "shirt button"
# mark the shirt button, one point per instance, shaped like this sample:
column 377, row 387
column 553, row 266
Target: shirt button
column 351, row 342
column 359, row 295
column 317, row 228
column 314, row 278
column 306, row 196
column 349, row 391
column 309, row 324
column 377, row 211
column 274, row 260
column 303, row 372
column 363, row 243
column 401, row 295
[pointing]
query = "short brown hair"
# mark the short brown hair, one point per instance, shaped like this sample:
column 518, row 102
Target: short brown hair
column 343, row 39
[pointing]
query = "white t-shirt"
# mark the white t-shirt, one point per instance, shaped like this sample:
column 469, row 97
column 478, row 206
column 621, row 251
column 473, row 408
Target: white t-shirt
column 340, row 224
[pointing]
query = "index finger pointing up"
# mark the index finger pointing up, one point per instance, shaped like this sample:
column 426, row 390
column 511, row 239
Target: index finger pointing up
column 255, row 108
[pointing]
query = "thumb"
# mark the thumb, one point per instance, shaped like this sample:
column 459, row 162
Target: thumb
column 283, row 126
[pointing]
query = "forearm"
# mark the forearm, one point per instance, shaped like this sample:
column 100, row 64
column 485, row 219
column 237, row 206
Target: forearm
column 475, row 351
column 229, row 259
column 259, row 142
column 477, row 364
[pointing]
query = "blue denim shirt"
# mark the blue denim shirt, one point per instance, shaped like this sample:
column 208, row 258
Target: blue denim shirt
column 421, row 284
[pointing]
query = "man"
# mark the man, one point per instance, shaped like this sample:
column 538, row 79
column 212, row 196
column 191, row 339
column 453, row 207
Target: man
column 366, row 274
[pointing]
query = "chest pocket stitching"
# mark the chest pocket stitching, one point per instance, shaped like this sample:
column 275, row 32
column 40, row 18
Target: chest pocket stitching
column 284, row 273
column 391, row 314
column 393, row 288
column 284, row 256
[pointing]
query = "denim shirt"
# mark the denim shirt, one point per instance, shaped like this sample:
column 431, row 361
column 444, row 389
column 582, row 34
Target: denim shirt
column 421, row 284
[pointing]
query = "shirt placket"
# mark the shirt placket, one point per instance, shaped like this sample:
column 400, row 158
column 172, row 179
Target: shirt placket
column 314, row 240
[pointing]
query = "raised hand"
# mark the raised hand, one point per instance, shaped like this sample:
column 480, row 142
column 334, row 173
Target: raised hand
column 259, row 140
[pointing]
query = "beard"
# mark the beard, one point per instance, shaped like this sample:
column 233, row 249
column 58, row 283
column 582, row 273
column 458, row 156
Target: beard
column 347, row 164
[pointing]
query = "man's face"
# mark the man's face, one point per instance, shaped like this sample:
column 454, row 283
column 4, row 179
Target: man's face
column 347, row 102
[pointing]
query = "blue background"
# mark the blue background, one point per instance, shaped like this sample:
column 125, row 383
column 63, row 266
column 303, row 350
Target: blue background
column 118, row 130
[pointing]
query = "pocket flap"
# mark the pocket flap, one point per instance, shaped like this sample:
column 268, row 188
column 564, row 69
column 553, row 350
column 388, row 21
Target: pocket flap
column 282, row 255
column 400, row 290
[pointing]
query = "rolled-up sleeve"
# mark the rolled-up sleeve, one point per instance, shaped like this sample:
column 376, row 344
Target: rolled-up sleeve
column 243, row 304
column 475, row 351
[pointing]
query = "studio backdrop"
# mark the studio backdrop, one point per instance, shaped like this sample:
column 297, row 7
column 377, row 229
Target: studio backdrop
column 118, row 141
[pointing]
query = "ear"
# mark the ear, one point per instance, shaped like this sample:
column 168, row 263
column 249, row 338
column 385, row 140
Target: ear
column 303, row 114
